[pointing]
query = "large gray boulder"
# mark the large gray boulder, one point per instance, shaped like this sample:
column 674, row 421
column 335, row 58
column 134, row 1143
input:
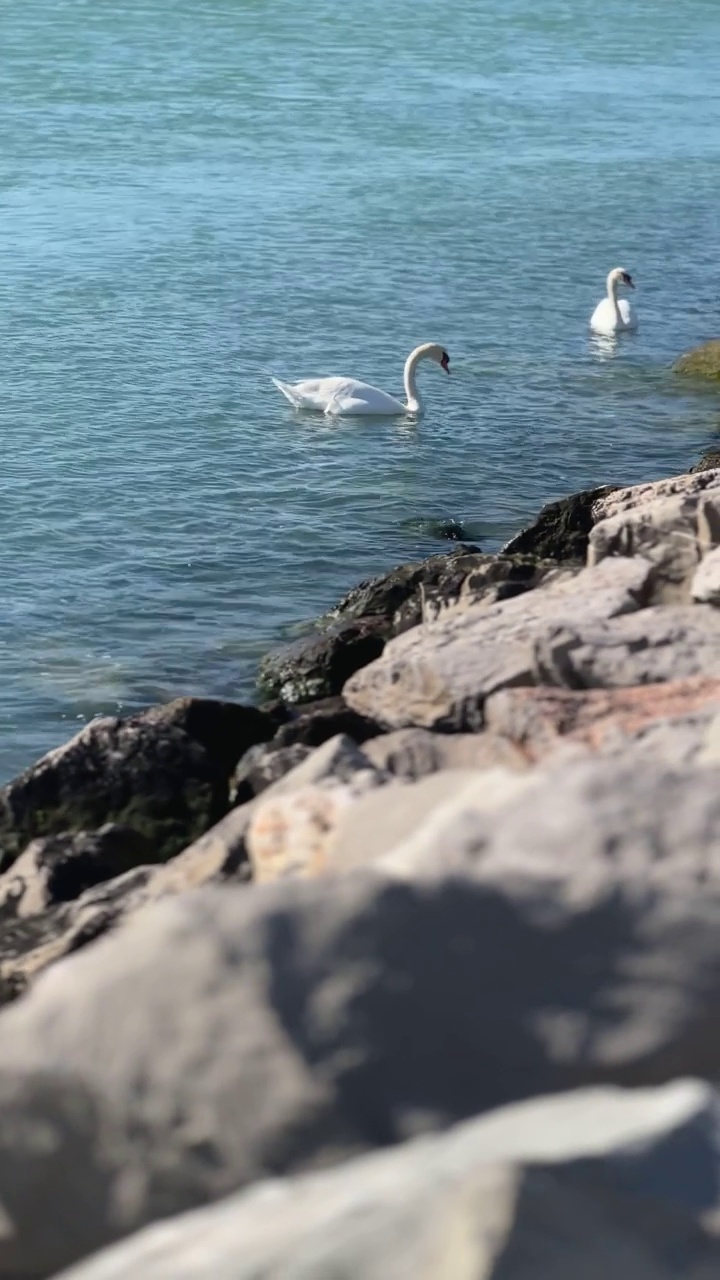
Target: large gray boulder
column 590, row 1184
column 705, row 585
column 416, row 753
column 227, row 1035
column 672, row 531
column 655, row 645
column 580, row 826
column 439, row 675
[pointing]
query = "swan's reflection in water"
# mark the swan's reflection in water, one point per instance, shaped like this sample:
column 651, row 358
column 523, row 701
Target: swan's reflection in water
column 603, row 347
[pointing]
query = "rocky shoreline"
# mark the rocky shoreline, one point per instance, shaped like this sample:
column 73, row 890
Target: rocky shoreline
column 451, row 892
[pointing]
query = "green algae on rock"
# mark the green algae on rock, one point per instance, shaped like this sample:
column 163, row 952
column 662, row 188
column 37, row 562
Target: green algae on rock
column 164, row 774
column 701, row 362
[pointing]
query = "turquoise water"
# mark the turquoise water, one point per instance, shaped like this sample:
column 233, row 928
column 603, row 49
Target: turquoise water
column 196, row 194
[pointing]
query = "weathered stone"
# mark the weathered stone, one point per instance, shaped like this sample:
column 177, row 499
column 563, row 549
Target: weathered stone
column 317, row 665
column 654, row 645
column 311, row 726
column 587, row 826
column 334, row 828
column 671, row 719
column 705, row 585
column 222, row 852
column 664, row 532
column 263, row 765
column 293, row 833
column 561, row 530
column 439, row 675
column 710, row 752
column 383, row 818
column 708, row 530
column 495, row 578
column 415, row 753
column 226, row 1035
column 701, row 362
column 163, row 774
column 590, row 1184
column 633, row 497
column 27, row 946
column 412, row 593
column 31, row 941
column 59, row 868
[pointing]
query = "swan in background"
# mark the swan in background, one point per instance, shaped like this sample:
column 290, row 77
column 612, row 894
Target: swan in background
column 613, row 315
column 346, row 397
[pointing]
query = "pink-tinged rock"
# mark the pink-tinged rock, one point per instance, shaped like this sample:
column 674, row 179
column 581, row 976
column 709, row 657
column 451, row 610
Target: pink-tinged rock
column 676, row 715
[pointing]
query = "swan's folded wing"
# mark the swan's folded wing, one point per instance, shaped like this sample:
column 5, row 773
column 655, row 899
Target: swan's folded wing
column 354, row 399
column 313, row 393
column 346, row 398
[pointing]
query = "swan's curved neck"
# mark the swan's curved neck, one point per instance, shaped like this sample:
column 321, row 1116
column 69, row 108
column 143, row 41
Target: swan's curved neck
column 612, row 288
column 412, row 395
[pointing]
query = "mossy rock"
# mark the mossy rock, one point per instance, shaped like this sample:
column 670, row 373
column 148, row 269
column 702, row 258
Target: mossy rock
column 701, row 362
column 317, row 666
column 163, row 774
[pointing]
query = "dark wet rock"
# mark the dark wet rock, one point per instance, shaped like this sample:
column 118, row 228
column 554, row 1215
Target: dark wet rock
column 163, row 774
column 562, row 528
column 355, row 631
column 316, row 722
column 317, row 666
column 384, row 596
column 305, row 729
column 59, row 868
column 701, row 362
column 403, row 594
column 710, row 461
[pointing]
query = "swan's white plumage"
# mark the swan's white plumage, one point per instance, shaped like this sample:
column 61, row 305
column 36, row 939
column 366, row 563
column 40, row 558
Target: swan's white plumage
column 614, row 315
column 604, row 319
column 348, row 397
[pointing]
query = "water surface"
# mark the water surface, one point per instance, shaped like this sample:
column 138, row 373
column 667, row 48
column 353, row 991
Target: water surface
column 195, row 194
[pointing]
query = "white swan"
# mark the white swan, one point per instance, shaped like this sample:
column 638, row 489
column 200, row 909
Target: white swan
column 346, row 397
column 612, row 315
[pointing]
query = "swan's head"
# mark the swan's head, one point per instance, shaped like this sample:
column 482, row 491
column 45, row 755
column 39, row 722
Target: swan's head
column 439, row 355
column 620, row 276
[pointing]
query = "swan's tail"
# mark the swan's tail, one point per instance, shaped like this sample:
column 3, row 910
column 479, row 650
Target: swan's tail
column 288, row 392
